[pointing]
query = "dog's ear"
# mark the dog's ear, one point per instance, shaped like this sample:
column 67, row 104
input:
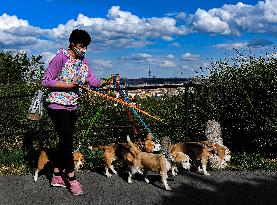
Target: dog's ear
column 149, row 136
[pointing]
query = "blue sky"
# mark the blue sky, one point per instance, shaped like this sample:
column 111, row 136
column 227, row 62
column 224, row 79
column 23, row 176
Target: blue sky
column 171, row 37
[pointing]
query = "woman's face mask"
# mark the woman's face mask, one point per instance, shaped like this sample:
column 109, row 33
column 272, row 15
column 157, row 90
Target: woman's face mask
column 80, row 51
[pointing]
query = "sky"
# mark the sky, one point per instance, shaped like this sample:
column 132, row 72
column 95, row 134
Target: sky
column 172, row 38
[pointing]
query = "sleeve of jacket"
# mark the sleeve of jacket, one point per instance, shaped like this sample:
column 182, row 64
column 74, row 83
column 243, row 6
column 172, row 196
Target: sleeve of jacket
column 52, row 71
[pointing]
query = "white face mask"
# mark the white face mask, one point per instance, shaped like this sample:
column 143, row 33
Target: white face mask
column 80, row 52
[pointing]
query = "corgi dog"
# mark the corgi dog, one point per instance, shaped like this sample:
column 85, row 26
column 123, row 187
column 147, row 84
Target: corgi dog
column 179, row 159
column 114, row 151
column 44, row 158
column 150, row 145
column 148, row 162
column 196, row 151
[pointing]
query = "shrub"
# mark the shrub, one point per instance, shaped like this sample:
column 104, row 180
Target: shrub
column 242, row 96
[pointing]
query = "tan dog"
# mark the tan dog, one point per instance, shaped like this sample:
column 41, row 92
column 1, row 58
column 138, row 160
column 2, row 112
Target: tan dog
column 196, row 151
column 220, row 155
column 114, row 151
column 179, row 159
column 150, row 145
column 44, row 158
column 149, row 162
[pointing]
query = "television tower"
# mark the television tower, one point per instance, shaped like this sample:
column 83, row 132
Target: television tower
column 149, row 72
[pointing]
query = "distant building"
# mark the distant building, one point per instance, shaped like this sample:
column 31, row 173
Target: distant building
column 156, row 81
column 142, row 93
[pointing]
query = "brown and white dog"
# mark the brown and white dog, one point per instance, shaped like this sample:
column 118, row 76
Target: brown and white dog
column 179, row 159
column 114, row 151
column 220, row 155
column 149, row 162
column 196, row 151
column 215, row 154
column 150, row 145
column 44, row 158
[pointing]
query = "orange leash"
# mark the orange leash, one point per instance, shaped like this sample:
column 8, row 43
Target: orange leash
column 119, row 101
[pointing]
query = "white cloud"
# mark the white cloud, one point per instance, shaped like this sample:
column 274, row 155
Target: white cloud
column 120, row 29
column 47, row 57
column 229, row 46
column 176, row 44
column 234, row 19
column 167, row 63
column 181, row 16
column 170, row 56
column 208, row 22
column 139, row 57
column 103, row 63
column 190, row 57
column 167, row 38
column 7, row 22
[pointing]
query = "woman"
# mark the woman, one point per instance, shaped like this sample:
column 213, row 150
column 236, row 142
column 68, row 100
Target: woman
column 67, row 67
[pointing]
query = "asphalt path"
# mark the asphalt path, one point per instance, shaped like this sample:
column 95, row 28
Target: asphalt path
column 222, row 187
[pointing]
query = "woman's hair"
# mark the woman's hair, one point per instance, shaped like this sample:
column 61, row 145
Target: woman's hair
column 79, row 36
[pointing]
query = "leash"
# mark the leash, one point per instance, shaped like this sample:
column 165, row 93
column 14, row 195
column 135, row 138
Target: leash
column 94, row 119
column 80, row 84
column 163, row 150
column 129, row 107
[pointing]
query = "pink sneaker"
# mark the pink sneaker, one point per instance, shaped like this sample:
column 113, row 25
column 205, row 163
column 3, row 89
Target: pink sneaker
column 57, row 181
column 75, row 187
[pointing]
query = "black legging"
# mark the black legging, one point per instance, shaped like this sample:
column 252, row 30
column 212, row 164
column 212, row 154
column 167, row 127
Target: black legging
column 64, row 122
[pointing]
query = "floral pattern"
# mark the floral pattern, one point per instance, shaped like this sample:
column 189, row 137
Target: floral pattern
column 73, row 68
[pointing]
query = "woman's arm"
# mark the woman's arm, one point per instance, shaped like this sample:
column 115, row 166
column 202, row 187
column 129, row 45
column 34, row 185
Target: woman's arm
column 51, row 73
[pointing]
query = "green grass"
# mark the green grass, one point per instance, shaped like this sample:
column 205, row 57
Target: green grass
column 252, row 162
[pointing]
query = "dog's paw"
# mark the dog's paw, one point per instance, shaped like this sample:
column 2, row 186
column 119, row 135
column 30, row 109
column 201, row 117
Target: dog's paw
column 206, row 174
column 146, row 180
column 108, row 175
column 140, row 172
column 174, row 174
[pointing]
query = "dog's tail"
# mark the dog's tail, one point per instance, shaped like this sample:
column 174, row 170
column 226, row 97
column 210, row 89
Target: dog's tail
column 97, row 148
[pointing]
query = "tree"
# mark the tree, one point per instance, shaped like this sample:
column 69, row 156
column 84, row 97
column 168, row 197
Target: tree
column 16, row 67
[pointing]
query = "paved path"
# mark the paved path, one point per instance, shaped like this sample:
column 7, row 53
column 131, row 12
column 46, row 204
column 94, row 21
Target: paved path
column 222, row 187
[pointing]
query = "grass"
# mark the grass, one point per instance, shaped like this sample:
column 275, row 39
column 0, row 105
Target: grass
column 252, row 162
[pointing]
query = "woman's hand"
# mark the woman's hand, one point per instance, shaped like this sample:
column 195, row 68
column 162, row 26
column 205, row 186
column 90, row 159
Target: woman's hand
column 63, row 85
column 108, row 81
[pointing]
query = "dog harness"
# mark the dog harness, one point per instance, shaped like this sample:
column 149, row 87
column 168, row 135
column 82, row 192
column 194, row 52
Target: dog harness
column 72, row 69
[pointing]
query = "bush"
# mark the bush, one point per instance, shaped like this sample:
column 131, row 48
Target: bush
column 242, row 96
